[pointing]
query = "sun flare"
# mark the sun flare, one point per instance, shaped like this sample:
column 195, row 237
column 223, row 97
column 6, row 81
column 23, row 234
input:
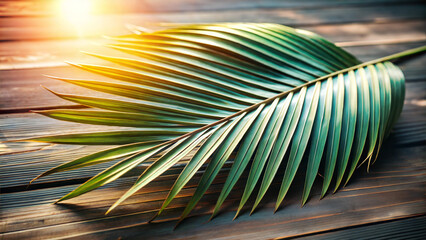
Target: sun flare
column 77, row 12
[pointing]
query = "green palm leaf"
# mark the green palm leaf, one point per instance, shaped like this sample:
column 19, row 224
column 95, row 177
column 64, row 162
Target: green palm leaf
column 274, row 95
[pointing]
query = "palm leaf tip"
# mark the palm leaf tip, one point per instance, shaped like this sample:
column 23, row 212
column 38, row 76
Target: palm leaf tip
column 279, row 114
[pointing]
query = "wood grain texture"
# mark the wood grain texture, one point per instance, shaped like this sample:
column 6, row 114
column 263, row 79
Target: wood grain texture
column 384, row 194
column 393, row 190
column 411, row 228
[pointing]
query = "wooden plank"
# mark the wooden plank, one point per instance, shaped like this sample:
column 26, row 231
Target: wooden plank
column 393, row 190
column 24, row 28
column 20, row 89
column 51, row 53
column 274, row 227
column 22, row 161
column 354, row 34
column 24, row 88
column 409, row 228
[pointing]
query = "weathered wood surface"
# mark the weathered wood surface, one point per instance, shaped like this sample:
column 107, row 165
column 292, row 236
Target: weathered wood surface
column 410, row 228
column 393, row 190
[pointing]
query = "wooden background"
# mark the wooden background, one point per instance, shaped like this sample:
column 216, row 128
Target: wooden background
column 390, row 201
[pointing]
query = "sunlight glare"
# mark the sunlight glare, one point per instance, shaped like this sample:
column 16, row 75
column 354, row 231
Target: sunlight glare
column 77, row 12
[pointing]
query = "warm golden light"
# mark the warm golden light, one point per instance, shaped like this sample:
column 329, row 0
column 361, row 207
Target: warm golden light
column 77, row 12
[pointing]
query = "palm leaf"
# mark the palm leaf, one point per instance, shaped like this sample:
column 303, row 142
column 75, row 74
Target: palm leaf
column 274, row 95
